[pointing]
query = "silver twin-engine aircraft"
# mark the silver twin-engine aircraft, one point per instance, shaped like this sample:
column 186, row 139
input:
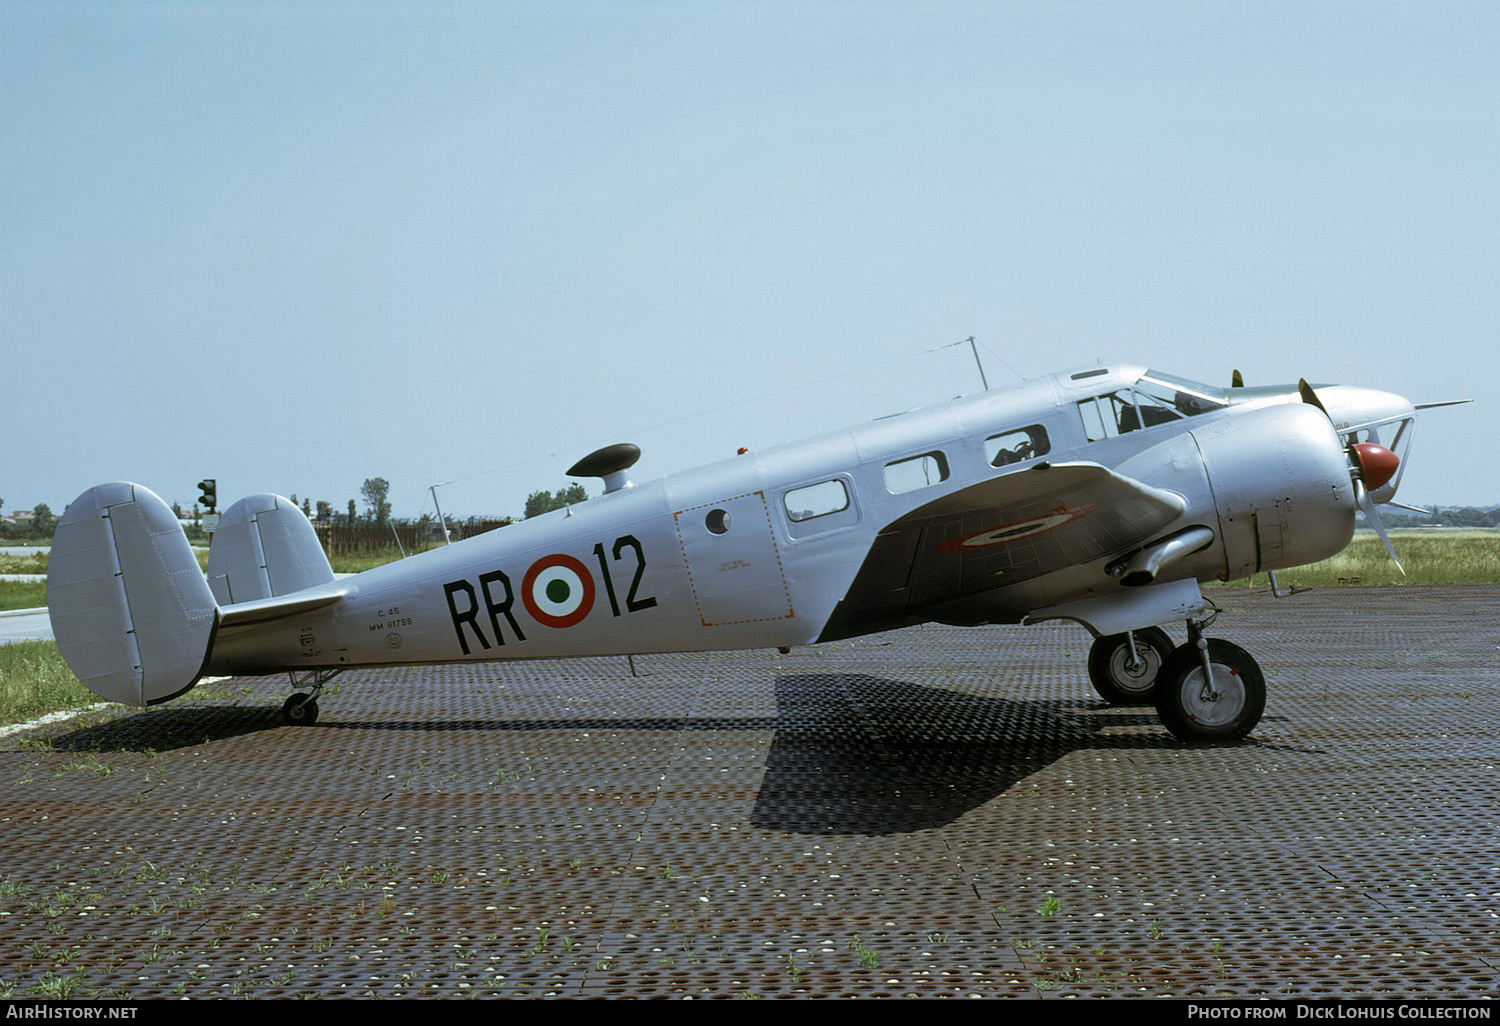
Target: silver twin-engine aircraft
column 1102, row 496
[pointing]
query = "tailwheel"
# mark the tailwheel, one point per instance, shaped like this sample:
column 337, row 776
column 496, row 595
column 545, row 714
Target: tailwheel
column 1126, row 674
column 1223, row 707
column 300, row 711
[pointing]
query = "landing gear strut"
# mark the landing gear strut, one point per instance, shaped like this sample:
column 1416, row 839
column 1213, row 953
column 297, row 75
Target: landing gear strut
column 1210, row 690
column 301, row 710
column 1124, row 668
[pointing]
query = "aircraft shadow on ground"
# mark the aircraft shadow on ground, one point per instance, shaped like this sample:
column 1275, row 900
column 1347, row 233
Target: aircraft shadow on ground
column 167, row 729
column 851, row 753
column 861, row 754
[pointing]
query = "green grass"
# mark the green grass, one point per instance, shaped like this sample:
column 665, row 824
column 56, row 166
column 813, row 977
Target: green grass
column 359, row 562
column 1429, row 556
column 35, row 681
column 36, row 563
column 23, row 594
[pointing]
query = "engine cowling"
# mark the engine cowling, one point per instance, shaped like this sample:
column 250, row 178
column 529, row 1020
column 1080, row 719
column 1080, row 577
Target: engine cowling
column 1281, row 487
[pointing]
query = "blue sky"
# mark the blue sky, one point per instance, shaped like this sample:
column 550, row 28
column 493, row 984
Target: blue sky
column 296, row 245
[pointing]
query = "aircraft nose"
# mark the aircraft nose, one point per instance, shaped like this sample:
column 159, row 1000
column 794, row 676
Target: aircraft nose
column 1376, row 464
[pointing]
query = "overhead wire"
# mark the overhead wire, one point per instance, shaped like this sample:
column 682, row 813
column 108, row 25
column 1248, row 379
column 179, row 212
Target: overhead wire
column 686, row 417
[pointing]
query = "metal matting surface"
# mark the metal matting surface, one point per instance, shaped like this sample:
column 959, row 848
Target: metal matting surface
column 932, row 812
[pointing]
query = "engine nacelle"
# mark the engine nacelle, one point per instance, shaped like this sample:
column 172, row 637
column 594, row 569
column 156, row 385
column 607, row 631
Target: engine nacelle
column 1281, row 485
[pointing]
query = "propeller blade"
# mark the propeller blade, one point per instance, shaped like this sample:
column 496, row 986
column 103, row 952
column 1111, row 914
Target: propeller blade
column 1237, row 380
column 1362, row 495
column 1310, row 397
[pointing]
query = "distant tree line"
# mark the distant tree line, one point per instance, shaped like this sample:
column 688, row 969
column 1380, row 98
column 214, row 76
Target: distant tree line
column 1451, row 516
column 376, row 515
column 538, row 503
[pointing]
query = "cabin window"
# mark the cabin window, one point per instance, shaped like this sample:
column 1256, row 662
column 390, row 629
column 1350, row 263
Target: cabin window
column 817, row 500
column 1016, row 446
column 915, row 472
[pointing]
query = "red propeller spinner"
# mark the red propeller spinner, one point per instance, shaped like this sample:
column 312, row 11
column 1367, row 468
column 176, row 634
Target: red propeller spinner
column 1376, row 463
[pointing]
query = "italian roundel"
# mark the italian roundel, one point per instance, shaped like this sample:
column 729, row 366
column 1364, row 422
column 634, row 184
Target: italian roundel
column 558, row 591
column 1007, row 533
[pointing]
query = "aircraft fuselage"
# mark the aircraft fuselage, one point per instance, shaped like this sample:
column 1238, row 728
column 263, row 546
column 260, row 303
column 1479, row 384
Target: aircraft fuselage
column 888, row 523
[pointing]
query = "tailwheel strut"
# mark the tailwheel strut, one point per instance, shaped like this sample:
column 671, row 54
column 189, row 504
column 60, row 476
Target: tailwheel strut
column 301, row 709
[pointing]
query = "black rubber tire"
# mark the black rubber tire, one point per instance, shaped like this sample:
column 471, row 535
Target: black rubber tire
column 1108, row 666
column 1231, row 713
column 300, row 711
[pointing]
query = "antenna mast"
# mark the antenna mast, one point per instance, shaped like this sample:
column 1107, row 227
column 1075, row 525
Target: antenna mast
column 974, row 348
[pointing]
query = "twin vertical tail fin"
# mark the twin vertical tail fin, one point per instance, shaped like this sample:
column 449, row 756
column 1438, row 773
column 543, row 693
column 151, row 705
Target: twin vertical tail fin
column 131, row 610
column 265, row 548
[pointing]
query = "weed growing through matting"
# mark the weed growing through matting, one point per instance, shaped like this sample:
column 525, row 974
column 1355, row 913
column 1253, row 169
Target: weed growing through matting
column 59, row 988
column 91, row 764
column 867, row 956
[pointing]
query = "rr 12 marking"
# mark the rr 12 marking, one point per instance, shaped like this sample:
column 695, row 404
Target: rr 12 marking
column 464, row 602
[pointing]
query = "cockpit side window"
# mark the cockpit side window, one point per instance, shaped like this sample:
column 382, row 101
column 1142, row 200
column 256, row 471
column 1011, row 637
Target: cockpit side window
column 1161, row 405
column 1155, row 399
column 1109, row 415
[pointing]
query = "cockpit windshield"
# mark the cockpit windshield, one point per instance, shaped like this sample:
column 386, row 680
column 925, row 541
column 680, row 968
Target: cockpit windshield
column 1186, row 397
column 1154, row 399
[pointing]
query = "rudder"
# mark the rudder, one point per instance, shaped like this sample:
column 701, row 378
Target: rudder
column 264, row 548
column 130, row 609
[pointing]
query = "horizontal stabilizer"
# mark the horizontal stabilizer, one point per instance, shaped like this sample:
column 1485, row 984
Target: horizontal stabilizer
column 130, row 609
column 243, row 614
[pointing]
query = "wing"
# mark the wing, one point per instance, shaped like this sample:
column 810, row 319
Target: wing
column 994, row 534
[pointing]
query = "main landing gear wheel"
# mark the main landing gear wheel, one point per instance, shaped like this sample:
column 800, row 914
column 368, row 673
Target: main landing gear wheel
column 1224, row 709
column 1126, row 677
column 300, row 711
